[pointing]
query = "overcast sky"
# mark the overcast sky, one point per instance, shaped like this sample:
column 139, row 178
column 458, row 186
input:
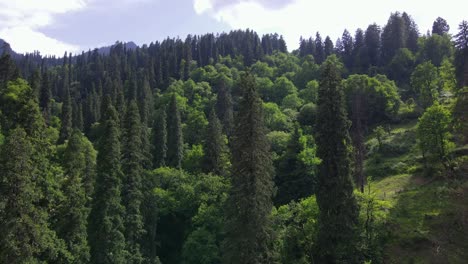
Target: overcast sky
column 56, row 26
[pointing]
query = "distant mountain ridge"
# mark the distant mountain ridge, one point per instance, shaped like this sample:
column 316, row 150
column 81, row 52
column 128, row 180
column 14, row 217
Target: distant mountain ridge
column 106, row 49
column 6, row 47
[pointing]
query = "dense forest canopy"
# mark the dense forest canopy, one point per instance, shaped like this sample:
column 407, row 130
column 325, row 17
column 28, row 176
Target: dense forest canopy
column 228, row 148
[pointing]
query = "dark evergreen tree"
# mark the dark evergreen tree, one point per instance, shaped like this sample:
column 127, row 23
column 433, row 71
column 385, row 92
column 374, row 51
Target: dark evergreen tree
column 159, row 139
column 106, row 227
column 319, row 49
column 440, row 26
column 215, row 146
column 348, row 46
column 338, row 218
column 66, row 118
column 8, row 69
column 329, row 49
column 132, row 184
column 74, row 211
column 373, row 43
column 25, row 235
column 175, row 139
column 248, row 229
column 412, row 32
column 461, row 58
column 224, row 107
column 45, row 97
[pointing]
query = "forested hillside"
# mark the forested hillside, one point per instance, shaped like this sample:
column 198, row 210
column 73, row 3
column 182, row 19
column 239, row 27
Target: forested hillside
column 228, row 148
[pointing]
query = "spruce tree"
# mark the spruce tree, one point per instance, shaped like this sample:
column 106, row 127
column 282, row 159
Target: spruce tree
column 74, row 211
column 106, row 227
column 175, row 140
column 25, row 236
column 45, row 96
column 224, row 107
column 66, row 117
column 215, row 146
column 248, row 208
column 339, row 213
column 132, row 185
column 159, row 138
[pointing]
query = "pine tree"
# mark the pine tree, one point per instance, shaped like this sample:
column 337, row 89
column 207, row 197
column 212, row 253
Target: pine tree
column 175, row 140
column 159, row 139
column 74, row 211
column 215, row 146
column 132, row 185
column 66, row 118
column 45, row 96
column 338, row 208
column 319, row 49
column 25, row 235
column 224, row 107
column 440, row 26
column 106, row 228
column 248, row 226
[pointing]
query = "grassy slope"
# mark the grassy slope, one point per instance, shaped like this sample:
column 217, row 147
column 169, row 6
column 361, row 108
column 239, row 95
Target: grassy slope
column 428, row 218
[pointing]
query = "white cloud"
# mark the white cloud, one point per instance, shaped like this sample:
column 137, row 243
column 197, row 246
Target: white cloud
column 20, row 21
column 305, row 17
column 201, row 6
column 24, row 39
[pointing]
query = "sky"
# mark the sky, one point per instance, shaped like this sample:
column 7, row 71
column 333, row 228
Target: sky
column 55, row 26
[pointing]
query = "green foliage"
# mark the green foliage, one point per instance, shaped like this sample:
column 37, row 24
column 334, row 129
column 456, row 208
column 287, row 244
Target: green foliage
column 400, row 67
column 275, row 119
column 261, row 69
column 435, row 48
column 292, row 101
column 26, row 236
column 19, row 108
column 379, row 132
column 373, row 218
column 371, row 99
column 79, row 164
column 447, row 76
column 278, row 141
column 296, row 173
column 189, row 205
column 434, row 134
column 193, row 159
column 310, row 93
column 425, row 82
column 297, row 227
column 281, row 88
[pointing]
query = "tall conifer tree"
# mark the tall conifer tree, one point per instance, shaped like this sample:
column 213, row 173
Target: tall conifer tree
column 72, row 225
column 159, row 139
column 215, row 146
column 132, row 188
column 175, row 140
column 339, row 213
column 66, row 117
column 106, row 219
column 248, row 208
